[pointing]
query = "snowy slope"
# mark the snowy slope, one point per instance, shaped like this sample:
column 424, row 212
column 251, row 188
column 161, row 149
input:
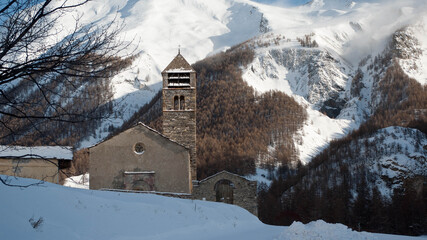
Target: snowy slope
column 384, row 159
column 415, row 65
column 398, row 154
column 49, row 211
column 346, row 31
column 320, row 78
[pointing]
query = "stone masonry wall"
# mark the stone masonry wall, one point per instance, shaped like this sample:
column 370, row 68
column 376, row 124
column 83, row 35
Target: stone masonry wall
column 188, row 93
column 180, row 125
column 244, row 193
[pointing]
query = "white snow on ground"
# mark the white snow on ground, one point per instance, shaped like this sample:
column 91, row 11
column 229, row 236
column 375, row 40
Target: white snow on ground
column 80, row 181
column 48, row 211
column 321, row 230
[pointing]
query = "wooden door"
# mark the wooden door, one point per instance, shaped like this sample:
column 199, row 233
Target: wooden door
column 224, row 191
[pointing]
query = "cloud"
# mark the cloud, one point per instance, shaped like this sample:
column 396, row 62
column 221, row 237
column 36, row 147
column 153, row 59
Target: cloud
column 379, row 23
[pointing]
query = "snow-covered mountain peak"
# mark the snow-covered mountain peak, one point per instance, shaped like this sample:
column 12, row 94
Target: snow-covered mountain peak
column 322, row 77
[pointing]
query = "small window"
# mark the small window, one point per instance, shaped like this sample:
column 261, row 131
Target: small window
column 182, row 103
column 139, row 148
column 175, row 103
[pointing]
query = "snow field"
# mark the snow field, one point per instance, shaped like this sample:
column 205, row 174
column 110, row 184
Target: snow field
column 48, row 211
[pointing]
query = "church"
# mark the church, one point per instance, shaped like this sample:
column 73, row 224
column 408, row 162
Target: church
column 142, row 159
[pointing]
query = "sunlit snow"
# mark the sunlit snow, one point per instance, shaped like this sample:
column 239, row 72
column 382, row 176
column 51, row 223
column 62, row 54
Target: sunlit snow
column 49, row 211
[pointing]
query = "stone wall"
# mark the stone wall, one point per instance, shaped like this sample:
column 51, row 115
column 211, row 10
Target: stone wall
column 180, row 125
column 188, row 93
column 244, row 192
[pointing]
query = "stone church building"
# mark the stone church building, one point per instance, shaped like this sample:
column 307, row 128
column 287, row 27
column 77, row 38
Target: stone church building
column 142, row 159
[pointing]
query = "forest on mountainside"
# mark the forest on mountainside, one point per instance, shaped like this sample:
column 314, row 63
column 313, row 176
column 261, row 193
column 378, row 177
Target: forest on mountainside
column 83, row 103
column 235, row 124
column 337, row 185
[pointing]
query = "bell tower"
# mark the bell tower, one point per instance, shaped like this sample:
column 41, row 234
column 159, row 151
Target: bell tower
column 179, row 106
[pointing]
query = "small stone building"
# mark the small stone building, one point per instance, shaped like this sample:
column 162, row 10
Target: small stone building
column 141, row 159
column 42, row 162
column 228, row 188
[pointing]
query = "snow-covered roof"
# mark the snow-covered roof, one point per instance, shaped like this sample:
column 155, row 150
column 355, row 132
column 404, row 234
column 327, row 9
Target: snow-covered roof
column 42, row 152
column 179, row 70
column 179, row 64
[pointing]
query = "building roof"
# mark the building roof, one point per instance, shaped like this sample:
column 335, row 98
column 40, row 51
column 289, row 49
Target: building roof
column 39, row 152
column 225, row 172
column 179, row 64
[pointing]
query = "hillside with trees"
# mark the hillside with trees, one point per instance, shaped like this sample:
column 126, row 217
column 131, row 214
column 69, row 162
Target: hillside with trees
column 54, row 82
column 83, row 103
column 374, row 179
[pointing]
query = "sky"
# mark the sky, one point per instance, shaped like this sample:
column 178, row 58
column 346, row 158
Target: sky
column 291, row 3
column 284, row 2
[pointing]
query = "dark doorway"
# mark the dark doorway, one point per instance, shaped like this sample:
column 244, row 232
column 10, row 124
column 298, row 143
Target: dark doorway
column 224, row 191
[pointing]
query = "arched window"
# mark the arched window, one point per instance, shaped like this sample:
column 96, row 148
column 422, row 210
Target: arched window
column 181, row 103
column 224, row 191
column 175, row 103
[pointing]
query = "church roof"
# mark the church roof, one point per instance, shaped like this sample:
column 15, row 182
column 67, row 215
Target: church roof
column 146, row 127
column 179, row 64
column 160, row 134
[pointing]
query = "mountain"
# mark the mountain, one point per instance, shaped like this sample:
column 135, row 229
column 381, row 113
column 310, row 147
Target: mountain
column 346, row 32
column 320, row 77
column 157, row 29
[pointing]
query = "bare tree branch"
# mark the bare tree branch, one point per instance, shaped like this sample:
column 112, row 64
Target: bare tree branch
column 45, row 78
